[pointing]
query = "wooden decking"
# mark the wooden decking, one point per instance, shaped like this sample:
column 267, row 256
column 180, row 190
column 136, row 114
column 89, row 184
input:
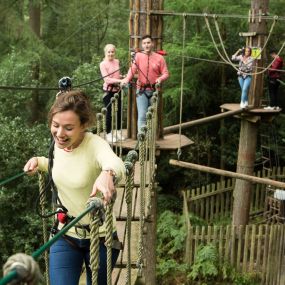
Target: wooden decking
column 253, row 114
column 169, row 142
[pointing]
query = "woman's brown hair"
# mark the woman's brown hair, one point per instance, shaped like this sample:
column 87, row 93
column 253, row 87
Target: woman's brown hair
column 75, row 101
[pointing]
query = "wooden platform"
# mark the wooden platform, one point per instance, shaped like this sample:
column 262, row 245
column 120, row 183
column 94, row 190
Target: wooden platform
column 252, row 113
column 169, row 142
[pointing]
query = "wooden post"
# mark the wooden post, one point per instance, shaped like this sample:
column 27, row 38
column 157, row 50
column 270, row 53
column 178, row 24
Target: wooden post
column 248, row 132
column 142, row 22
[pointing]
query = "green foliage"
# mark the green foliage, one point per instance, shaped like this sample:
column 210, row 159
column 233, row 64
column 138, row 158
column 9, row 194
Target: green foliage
column 20, row 229
column 205, row 265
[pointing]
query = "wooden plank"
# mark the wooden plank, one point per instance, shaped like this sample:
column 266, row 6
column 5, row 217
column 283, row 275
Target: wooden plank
column 246, row 248
column 227, row 243
column 190, row 256
column 268, row 265
column 259, row 246
column 221, row 245
column 240, row 241
column 252, row 248
column 233, row 245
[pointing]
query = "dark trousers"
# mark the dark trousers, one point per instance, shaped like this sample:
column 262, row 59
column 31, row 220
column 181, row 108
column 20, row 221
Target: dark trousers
column 273, row 86
column 107, row 102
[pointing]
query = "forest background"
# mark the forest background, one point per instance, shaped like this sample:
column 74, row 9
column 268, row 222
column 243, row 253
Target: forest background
column 41, row 41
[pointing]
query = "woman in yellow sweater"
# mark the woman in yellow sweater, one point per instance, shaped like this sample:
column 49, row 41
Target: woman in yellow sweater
column 82, row 164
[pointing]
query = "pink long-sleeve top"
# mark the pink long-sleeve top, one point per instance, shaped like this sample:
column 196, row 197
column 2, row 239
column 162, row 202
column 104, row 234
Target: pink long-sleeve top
column 150, row 67
column 110, row 71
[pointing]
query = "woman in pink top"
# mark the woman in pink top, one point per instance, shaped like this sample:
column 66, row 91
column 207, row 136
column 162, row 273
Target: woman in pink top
column 110, row 71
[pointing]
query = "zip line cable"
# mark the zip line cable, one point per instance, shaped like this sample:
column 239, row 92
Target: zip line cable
column 53, row 88
column 262, row 16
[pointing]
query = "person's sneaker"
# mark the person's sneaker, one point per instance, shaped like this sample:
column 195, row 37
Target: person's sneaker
column 276, row 108
column 245, row 104
column 268, row 108
column 110, row 139
column 241, row 105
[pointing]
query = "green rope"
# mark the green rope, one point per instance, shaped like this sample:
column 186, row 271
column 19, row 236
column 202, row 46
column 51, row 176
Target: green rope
column 12, row 178
column 13, row 274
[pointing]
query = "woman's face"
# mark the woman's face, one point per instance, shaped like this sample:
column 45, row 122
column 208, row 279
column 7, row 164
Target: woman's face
column 247, row 52
column 110, row 53
column 67, row 130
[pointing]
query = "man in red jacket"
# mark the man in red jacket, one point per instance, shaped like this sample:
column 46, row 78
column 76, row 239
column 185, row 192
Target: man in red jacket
column 274, row 74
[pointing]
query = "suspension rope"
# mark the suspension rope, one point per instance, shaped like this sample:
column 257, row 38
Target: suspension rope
column 264, row 46
column 129, row 191
column 228, row 60
column 109, row 240
column 44, row 222
column 96, row 222
column 99, row 122
column 179, row 151
column 141, row 139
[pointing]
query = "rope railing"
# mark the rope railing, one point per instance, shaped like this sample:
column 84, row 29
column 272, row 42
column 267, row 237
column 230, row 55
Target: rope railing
column 94, row 204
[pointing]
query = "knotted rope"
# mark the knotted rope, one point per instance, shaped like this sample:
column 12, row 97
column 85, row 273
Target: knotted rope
column 99, row 118
column 109, row 240
column 25, row 267
column 130, row 161
column 104, row 112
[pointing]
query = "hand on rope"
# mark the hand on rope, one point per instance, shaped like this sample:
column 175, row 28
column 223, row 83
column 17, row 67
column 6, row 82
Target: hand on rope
column 26, row 268
column 31, row 167
column 105, row 184
column 98, row 208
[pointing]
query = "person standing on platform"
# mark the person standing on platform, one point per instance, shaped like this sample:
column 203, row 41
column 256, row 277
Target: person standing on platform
column 244, row 73
column 274, row 75
column 110, row 71
column 152, row 69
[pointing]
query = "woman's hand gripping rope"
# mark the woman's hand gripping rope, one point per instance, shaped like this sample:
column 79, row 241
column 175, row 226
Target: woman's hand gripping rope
column 105, row 184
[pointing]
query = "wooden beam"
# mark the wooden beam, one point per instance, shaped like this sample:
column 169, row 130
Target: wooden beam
column 209, row 119
column 217, row 171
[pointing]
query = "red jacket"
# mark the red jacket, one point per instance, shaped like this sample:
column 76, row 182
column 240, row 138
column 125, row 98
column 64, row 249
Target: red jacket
column 277, row 64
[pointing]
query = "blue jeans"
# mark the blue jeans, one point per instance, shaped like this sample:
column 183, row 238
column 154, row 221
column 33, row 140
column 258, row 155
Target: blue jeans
column 66, row 261
column 143, row 102
column 244, row 85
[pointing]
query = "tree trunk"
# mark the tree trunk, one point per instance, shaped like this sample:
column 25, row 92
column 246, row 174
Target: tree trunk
column 248, row 132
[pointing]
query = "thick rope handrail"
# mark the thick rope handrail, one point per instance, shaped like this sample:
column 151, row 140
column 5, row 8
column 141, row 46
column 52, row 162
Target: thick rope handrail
column 96, row 204
column 5, row 181
column 109, row 240
column 129, row 191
